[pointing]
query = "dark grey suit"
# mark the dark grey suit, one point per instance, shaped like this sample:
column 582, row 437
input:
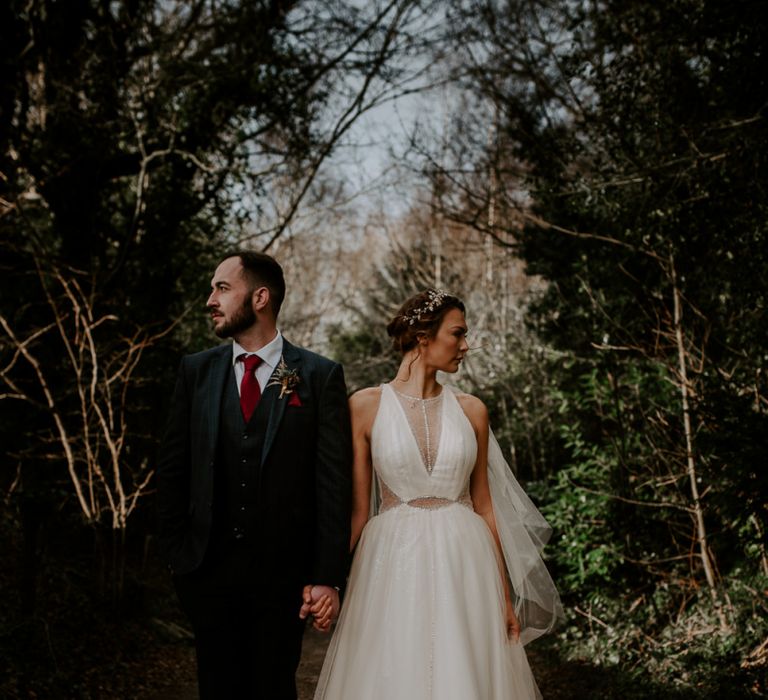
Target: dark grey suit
column 250, row 513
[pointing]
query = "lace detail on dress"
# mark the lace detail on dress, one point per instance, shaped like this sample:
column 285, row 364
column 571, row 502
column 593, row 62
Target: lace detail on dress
column 424, row 417
column 389, row 499
column 466, row 499
column 431, row 502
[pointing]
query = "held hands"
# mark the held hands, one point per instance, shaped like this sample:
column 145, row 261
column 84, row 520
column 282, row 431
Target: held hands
column 322, row 602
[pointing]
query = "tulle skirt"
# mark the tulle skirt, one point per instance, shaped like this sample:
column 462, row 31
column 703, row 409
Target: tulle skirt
column 424, row 616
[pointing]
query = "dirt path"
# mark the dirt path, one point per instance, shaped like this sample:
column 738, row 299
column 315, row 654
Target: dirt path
column 578, row 681
column 185, row 687
column 312, row 655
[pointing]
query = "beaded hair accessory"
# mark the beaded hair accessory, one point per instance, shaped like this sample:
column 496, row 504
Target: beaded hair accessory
column 435, row 299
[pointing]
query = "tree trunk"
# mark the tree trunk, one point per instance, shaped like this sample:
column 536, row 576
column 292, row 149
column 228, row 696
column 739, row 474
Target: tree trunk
column 31, row 519
column 118, row 571
column 698, row 510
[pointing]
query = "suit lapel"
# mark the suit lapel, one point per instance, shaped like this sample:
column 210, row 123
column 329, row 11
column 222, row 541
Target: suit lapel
column 292, row 359
column 219, row 372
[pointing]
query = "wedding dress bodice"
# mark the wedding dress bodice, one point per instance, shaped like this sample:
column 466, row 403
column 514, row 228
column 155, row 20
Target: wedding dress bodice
column 423, row 451
column 425, row 614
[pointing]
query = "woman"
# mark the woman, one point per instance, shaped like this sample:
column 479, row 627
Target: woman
column 447, row 583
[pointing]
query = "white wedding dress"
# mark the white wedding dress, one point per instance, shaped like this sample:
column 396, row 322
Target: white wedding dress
column 424, row 613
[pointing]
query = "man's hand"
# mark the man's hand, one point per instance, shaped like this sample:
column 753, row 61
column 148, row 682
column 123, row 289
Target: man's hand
column 322, row 602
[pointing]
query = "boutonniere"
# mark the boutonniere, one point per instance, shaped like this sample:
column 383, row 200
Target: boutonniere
column 284, row 377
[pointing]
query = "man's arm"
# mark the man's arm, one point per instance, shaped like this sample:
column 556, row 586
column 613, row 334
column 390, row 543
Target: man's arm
column 333, row 480
column 173, row 470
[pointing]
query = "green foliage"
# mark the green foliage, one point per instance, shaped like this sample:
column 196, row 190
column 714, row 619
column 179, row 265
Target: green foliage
column 118, row 146
column 618, row 562
column 581, row 553
column 362, row 345
column 365, row 354
column 139, row 141
column 638, row 129
column 681, row 650
column 586, row 501
column 520, row 390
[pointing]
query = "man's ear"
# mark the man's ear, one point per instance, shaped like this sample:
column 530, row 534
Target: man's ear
column 260, row 298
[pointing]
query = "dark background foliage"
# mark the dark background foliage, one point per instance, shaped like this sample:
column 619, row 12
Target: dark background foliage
column 624, row 169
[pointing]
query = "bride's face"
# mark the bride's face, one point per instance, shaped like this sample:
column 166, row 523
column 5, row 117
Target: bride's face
column 447, row 348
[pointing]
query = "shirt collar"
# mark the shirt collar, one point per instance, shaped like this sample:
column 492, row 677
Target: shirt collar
column 270, row 354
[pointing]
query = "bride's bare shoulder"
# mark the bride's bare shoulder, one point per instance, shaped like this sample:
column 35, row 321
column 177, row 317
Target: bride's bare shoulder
column 473, row 407
column 370, row 393
column 365, row 401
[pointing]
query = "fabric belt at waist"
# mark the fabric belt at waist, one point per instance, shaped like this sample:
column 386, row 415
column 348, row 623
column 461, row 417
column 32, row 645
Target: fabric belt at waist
column 425, row 502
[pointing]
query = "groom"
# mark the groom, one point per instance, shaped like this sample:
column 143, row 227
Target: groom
column 254, row 488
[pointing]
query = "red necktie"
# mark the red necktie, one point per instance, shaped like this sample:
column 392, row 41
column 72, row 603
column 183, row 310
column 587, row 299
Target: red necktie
column 250, row 391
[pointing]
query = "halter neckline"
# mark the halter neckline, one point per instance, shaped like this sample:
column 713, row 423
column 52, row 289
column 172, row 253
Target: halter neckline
column 417, row 398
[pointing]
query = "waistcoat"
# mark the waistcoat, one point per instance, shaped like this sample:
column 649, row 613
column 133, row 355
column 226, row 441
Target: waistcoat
column 237, row 466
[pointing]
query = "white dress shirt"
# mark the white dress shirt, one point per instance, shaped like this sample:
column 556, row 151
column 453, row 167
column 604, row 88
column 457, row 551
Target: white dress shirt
column 270, row 356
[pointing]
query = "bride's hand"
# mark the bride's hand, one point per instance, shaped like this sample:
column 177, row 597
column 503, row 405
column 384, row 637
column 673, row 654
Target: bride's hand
column 322, row 611
column 513, row 626
column 322, row 603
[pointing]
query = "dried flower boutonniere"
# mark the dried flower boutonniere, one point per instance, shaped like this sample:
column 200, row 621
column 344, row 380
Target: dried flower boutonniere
column 287, row 379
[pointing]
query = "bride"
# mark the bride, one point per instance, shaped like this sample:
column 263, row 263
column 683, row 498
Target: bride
column 447, row 584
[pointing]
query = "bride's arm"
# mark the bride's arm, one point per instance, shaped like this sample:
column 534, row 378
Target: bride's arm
column 362, row 409
column 480, row 491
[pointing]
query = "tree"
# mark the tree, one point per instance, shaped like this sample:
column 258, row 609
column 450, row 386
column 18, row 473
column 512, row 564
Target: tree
column 507, row 365
column 140, row 140
column 626, row 169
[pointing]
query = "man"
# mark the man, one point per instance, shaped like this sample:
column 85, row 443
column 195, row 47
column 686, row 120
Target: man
column 254, row 489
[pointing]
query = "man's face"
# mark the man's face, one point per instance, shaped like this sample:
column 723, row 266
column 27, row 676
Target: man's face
column 230, row 302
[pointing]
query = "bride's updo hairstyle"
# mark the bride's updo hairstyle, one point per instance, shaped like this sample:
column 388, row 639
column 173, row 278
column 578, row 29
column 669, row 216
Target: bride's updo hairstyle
column 421, row 316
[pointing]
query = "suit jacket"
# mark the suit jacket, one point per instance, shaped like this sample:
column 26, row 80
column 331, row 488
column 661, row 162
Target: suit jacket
column 305, row 484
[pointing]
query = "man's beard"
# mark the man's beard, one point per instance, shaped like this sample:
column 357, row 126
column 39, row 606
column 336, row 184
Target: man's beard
column 241, row 320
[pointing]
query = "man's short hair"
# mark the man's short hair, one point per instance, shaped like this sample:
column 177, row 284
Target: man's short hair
column 262, row 270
